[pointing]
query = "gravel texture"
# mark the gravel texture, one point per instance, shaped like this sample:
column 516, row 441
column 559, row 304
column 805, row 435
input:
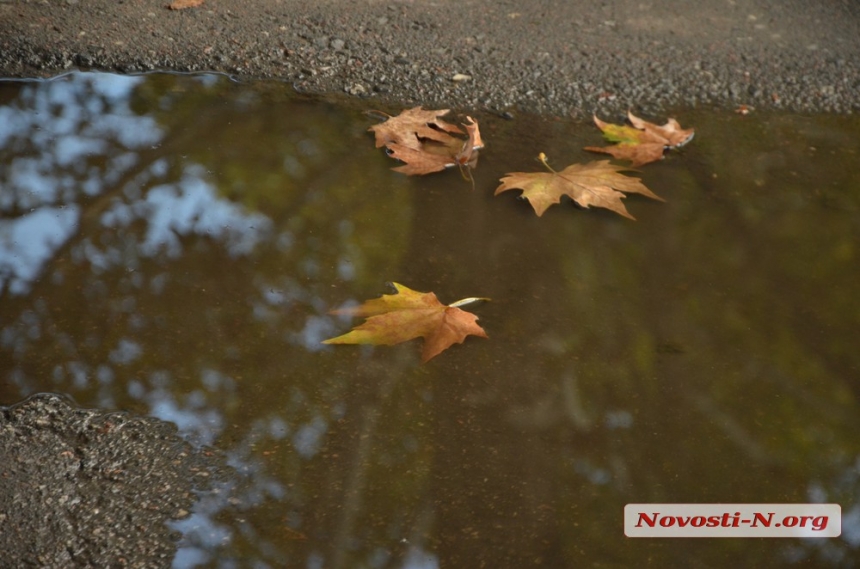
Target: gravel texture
column 549, row 56
column 81, row 488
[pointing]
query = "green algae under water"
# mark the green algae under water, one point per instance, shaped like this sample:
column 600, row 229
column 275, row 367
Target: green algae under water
column 171, row 245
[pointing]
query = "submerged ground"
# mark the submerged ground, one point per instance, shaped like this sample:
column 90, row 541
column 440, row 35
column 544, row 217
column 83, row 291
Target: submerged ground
column 556, row 58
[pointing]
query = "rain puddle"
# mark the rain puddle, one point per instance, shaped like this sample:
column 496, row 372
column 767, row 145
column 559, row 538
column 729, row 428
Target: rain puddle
column 171, row 245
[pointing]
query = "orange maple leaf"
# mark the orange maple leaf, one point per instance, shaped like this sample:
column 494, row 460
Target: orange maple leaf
column 424, row 143
column 468, row 154
column 412, row 125
column 596, row 184
column 643, row 142
column 426, row 159
column 408, row 314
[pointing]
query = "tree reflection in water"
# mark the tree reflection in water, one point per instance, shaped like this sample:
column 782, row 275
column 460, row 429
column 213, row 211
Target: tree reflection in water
column 171, row 245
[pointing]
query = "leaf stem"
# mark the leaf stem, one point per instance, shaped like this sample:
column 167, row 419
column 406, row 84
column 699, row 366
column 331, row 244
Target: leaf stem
column 466, row 301
column 466, row 173
column 543, row 159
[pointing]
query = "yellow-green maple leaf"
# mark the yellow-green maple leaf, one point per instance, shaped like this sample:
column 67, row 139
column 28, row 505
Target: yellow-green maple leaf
column 408, row 314
column 641, row 142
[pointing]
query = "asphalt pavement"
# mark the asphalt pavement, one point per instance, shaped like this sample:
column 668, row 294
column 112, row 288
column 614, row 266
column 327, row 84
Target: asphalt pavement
column 555, row 57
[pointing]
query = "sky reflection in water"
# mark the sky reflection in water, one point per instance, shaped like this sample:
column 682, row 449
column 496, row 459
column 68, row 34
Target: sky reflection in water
column 171, row 245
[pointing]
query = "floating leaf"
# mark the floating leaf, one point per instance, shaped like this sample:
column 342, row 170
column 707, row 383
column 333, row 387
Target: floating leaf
column 643, row 142
column 408, row 314
column 596, row 184
column 412, row 125
column 424, row 143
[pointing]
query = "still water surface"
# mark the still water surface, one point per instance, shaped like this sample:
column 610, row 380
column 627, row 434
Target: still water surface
column 171, row 245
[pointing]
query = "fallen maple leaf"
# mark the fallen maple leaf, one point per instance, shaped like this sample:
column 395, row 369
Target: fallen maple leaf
column 426, row 160
column 183, row 4
column 468, row 154
column 424, row 143
column 408, row 314
column 643, row 142
column 411, row 125
column 596, row 183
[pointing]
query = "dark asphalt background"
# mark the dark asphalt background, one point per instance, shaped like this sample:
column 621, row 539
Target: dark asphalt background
column 73, row 493
column 549, row 56
column 83, row 488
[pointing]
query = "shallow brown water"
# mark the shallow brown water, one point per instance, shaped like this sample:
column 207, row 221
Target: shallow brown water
column 171, row 245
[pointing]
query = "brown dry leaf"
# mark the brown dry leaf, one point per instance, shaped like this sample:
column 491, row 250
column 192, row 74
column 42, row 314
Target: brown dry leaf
column 424, row 143
column 183, row 4
column 408, row 314
column 643, row 142
column 468, row 154
column 427, row 159
column 596, row 184
column 411, row 125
